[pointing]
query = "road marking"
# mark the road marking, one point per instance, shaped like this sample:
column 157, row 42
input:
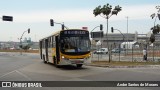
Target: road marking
column 7, row 74
column 23, row 74
column 16, row 72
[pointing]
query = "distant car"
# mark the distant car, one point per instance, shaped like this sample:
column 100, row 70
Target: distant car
column 116, row 50
column 12, row 48
column 101, row 51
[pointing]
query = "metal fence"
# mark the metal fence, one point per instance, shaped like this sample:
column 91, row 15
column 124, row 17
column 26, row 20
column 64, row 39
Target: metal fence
column 135, row 54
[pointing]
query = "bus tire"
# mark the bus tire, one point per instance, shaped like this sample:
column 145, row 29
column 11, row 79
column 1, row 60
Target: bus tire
column 55, row 63
column 44, row 59
column 79, row 65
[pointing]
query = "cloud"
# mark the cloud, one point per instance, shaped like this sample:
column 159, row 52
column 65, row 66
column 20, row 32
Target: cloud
column 82, row 15
column 136, row 12
column 58, row 15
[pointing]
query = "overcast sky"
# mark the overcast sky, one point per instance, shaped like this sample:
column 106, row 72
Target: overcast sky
column 35, row 14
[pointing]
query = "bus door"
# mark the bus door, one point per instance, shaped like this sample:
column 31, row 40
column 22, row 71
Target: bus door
column 40, row 45
column 57, row 49
column 46, row 48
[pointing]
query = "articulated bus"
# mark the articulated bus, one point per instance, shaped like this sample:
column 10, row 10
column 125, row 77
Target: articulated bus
column 67, row 47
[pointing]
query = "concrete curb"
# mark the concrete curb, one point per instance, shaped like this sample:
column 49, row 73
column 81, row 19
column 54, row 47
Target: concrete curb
column 138, row 66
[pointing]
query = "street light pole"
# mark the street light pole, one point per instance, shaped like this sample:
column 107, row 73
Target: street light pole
column 127, row 34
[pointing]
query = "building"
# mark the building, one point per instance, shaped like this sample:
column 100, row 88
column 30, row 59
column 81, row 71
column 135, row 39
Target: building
column 15, row 45
column 116, row 39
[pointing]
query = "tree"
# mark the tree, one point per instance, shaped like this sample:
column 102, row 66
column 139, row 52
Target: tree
column 26, row 47
column 106, row 12
column 156, row 29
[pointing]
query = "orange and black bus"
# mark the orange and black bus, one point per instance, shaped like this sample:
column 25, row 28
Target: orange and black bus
column 66, row 47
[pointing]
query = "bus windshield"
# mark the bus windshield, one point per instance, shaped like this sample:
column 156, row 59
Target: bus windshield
column 71, row 44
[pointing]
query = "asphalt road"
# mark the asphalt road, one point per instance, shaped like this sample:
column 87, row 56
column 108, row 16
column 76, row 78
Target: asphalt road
column 28, row 67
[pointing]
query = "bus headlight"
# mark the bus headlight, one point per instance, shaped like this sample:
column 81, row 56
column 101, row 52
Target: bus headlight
column 63, row 57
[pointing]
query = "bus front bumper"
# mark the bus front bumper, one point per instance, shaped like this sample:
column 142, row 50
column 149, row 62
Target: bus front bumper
column 75, row 61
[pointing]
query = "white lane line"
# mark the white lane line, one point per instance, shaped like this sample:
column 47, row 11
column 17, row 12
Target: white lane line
column 7, row 74
column 23, row 75
column 16, row 72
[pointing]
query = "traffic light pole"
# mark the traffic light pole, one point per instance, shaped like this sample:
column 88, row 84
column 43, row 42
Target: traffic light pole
column 21, row 40
column 101, row 28
column 62, row 24
column 123, row 39
column 120, row 32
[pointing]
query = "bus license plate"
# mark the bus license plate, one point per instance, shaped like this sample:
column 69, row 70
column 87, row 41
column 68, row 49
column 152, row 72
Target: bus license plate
column 77, row 62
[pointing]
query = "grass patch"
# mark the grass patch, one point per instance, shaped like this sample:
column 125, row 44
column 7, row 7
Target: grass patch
column 124, row 63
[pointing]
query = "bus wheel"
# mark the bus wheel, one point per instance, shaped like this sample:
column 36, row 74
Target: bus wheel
column 79, row 65
column 44, row 59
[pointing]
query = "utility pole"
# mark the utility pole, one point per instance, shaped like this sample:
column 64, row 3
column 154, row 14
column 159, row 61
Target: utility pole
column 127, row 34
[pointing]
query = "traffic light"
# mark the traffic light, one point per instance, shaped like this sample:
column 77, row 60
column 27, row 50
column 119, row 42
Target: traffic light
column 101, row 27
column 7, row 18
column 112, row 29
column 51, row 22
column 29, row 30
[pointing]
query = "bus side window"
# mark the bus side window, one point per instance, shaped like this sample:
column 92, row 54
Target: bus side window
column 43, row 43
column 53, row 41
column 49, row 42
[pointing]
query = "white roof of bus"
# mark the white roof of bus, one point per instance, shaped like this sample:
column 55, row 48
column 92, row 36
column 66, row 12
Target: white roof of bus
column 55, row 33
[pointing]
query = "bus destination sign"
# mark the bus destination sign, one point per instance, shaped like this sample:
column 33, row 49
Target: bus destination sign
column 74, row 32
